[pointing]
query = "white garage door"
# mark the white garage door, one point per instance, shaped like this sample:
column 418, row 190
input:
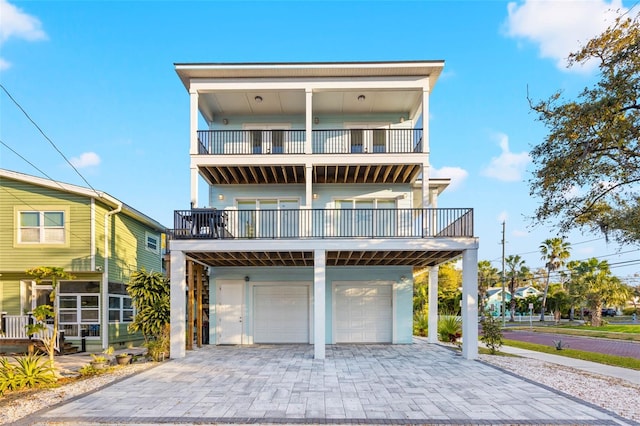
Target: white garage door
column 363, row 314
column 281, row 314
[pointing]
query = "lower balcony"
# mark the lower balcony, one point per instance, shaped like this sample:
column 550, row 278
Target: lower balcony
column 322, row 223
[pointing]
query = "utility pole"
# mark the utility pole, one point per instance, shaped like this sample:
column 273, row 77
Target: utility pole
column 503, row 290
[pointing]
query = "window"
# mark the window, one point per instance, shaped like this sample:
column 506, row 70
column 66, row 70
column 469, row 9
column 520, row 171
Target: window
column 152, row 242
column 41, row 227
column 120, row 308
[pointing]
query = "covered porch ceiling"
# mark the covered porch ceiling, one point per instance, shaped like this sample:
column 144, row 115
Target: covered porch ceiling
column 413, row 258
column 295, row 174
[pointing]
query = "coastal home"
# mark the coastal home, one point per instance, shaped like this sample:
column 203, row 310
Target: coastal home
column 524, row 292
column 311, row 203
column 92, row 235
column 493, row 300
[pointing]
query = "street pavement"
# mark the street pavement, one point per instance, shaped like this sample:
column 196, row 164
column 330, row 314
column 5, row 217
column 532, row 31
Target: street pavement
column 590, row 344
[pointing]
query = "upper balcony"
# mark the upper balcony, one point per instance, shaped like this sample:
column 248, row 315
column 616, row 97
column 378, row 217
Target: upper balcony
column 324, row 141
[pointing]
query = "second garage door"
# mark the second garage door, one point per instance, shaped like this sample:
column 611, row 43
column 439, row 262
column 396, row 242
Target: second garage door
column 363, row 313
column 281, row 314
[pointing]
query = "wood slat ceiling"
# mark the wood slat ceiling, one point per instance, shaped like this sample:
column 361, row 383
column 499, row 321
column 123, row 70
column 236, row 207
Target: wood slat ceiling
column 292, row 174
column 334, row 258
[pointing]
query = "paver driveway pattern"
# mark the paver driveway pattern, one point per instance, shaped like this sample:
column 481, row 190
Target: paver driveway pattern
column 375, row 384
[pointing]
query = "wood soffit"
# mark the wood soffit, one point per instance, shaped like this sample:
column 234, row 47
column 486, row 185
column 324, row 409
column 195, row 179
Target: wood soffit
column 295, row 174
column 333, row 258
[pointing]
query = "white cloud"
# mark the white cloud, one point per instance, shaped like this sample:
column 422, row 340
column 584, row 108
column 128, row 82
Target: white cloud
column 86, row 159
column 509, row 166
column 519, row 233
column 15, row 23
column 560, row 27
column 456, row 174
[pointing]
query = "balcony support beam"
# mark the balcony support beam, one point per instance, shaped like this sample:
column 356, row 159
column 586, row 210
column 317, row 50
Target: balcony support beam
column 425, row 117
column 308, row 182
column 319, row 285
column 308, row 121
column 178, row 303
column 470, row 303
column 432, row 336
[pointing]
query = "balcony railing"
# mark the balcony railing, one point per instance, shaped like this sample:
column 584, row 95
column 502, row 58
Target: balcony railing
column 321, row 223
column 338, row 141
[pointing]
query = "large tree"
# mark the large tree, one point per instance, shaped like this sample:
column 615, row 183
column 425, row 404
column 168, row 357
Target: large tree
column 587, row 170
column 555, row 252
column 600, row 287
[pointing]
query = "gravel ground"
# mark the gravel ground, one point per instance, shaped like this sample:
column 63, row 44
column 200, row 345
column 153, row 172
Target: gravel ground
column 618, row 396
column 612, row 394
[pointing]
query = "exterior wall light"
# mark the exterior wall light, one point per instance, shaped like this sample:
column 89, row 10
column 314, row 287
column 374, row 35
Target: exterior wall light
column 220, row 197
column 361, row 98
column 258, row 99
column 225, row 121
column 316, row 120
column 315, row 196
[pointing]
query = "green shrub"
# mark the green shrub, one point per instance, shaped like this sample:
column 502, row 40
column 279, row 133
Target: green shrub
column 8, row 378
column 491, row 333
column 420, row 324
column 28, row 371
column 449, row 328
column 630, row 311
column 33, row 370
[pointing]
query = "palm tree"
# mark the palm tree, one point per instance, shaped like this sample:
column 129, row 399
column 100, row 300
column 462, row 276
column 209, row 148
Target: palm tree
column 600, row 287
column 555, row 252
column 487, row 276
column 516, row 273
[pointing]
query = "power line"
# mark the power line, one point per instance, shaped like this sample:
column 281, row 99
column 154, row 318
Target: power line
column 47, row 138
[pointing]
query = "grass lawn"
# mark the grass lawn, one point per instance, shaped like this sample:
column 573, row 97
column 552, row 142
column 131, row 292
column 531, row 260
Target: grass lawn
column 618, row 361
column 612, row 331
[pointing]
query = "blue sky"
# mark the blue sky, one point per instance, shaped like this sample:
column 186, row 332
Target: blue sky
column 98, row 79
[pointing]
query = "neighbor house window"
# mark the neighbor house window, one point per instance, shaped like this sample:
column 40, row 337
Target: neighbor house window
column 79, row 308
column 41, row 227
column 120, row 308
column 152, row 242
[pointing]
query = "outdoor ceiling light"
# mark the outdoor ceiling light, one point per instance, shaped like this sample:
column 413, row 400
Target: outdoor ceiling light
column 258, row 99
column 361, row 98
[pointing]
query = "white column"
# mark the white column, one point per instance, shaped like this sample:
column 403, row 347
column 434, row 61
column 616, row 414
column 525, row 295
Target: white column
column 308, row 180
column 193, row 122
column 309, row 121
column 470, row 304
column 319, row 283
column 425, row 118
column 425, row 185
column 193, row 143
column 178, row 304
column 432, row 336
column 194, row 187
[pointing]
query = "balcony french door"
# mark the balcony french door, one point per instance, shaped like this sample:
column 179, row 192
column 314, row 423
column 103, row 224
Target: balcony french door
column 365, row 218
column 269, row 218
column 367, row 137
column 267, row 139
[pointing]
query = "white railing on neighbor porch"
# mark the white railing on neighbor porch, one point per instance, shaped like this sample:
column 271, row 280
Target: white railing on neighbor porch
column 15, row 327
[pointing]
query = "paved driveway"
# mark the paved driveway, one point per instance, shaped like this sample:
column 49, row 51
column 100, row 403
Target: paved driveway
column 374, row 384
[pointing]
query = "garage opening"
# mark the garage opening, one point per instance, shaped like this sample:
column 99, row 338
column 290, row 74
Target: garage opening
column 281, row 314
column 363, row 313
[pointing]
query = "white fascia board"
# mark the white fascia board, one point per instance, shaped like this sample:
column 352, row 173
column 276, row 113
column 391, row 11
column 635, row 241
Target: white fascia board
column 303, row 159
column 343, row 244
column 210, row 85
